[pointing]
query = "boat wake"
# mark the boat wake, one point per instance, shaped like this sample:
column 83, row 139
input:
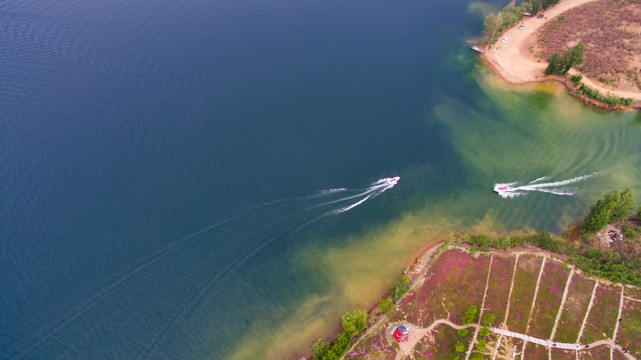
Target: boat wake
column 253, row 229
column 512, row 190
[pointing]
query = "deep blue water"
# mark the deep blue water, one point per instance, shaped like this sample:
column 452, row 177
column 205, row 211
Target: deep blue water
column 143, row 143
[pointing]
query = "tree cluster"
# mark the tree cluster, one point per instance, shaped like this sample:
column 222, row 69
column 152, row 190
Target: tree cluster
column 611, row 208
column 353, row 322
column 560, row 65
column 495, row 24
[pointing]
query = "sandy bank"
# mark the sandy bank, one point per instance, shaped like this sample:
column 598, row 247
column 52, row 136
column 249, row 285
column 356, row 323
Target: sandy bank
column 513, row 61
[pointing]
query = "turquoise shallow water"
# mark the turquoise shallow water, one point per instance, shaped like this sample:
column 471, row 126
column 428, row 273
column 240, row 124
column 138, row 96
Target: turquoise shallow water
column 163, row 167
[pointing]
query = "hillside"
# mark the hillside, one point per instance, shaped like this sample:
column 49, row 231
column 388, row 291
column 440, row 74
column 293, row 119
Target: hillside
column 528, row 302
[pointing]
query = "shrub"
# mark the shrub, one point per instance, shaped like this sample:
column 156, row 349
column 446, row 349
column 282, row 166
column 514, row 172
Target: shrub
column 502, row 242
column 481, row 344
column 320, row 349
column 629, row 234
column 471, row 314
column 611, row 208
column 488, row 319
column 400, row 288
column 560, row 65
column 576, row 79
column 354, row 321
column 386, row 306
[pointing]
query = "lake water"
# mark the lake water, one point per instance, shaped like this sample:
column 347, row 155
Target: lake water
column 193, row 180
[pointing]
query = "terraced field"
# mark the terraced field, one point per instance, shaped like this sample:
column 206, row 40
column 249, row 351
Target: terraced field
column 529, row 304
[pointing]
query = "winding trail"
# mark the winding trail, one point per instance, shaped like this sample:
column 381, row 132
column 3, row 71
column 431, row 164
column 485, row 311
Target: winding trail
column 406, row 347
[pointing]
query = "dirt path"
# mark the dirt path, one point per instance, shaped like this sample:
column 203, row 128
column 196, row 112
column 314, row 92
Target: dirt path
column 565, row 296
column 587, row 313
column 616, row 326
column 509, row 297
column 407, row 346
column 515, row 64
column 416, row 334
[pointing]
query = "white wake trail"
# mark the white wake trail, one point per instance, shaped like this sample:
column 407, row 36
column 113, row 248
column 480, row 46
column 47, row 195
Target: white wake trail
column 509, row 190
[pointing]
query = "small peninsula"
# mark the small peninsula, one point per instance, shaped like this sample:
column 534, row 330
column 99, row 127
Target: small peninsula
column 609, row 30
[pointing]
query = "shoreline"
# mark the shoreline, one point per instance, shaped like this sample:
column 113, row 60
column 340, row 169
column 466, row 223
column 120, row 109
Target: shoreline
column 514, row 64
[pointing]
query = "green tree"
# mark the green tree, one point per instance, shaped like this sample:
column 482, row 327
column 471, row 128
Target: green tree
column 471, row 313
column 624, row 206
column 462, row 332
column 400, row 288
column 476, row 356
column 600, row 213
column 560, row 65
column 502, row 242
column 354, row 321
column 555, row 65
column 386, row 306
column 573, row 57
column 459, row 347
column 320, row 349
column 481, row 344
column 488, row 319
column 484, row 331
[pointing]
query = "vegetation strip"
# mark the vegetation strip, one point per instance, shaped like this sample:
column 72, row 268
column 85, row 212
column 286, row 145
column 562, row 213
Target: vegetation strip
column 487, row 280
column 616, row 327
column 565, row 295
column 587, row 313
column 536, row 291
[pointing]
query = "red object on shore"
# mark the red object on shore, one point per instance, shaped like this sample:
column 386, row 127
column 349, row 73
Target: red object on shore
column 401, row 332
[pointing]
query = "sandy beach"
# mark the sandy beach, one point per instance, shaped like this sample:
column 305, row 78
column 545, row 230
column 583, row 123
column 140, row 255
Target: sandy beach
column 513, row 61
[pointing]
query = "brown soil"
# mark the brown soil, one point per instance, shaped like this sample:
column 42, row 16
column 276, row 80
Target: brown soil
column 611, row 33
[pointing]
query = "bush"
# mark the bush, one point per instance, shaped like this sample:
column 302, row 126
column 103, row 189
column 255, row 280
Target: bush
column 609, row 100
column 320, row 349
column 484, row 331
column 354, row 321
column 561, row 65
column 386, row 306
column 611, row 208
column 400, row 288
column 481, row 344
column 629, row 234
column 488, row 319
column 576, row 79
column 502, row 242
column 471, row 314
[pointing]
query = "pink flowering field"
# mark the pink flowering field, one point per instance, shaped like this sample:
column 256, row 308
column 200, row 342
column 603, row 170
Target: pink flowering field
column 535, row 352
column 498, row 288
column 629, row 334
column 559, row 354
column 574, row 309
column 374, row 347
column 440, row 343
column 527, row 272
column 548, row 300
column 603, row 315
column 453, row 283
column 597, row 353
